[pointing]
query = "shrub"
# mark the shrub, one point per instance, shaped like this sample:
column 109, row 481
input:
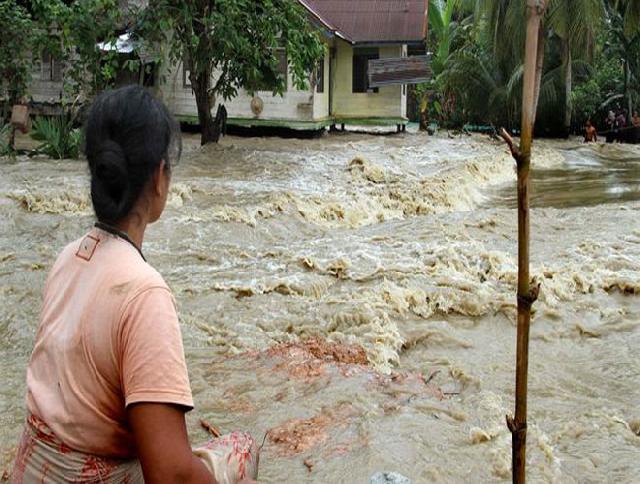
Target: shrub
column 58, row 136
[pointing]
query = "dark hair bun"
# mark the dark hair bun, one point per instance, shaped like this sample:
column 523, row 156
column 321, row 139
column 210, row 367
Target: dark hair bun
column 110, row 182
column 128, row 133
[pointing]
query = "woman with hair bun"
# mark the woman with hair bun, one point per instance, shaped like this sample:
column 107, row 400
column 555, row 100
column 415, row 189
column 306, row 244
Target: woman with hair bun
column 107, row 383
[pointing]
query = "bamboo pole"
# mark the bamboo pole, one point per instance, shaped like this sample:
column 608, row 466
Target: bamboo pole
column 527, row 294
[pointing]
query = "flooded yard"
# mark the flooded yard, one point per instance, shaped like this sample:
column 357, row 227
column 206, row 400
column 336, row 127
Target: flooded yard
column 394, row 259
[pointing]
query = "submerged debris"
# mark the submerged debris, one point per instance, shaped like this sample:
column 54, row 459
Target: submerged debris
column 299, row 435
column 308, row 464
column 212, row 429
column 338, row 365
column 322, row 349
column 388, row 478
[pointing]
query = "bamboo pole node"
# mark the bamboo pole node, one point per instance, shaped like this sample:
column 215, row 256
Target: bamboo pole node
column 514, row 427
column 527, row 300
column 515, row 151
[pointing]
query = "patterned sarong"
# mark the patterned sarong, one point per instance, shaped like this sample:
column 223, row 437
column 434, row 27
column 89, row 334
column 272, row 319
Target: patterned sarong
column 43, row 458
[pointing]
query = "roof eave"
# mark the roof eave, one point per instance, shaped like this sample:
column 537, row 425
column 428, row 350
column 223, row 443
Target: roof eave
column 343, row 37
column 388, row 42
column 325, row 23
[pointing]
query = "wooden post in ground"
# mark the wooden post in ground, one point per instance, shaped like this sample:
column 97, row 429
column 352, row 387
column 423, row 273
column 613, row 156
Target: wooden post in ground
column 20, row 120
column 526, row 293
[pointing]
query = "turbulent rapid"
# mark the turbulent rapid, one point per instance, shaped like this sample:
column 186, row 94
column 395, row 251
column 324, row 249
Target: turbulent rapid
column 352, row 299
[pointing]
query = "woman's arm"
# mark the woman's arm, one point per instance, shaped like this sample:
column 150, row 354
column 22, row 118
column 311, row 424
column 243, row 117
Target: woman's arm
column 163, row 446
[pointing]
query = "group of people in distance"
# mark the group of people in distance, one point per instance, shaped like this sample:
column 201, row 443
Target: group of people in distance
column 614, row 123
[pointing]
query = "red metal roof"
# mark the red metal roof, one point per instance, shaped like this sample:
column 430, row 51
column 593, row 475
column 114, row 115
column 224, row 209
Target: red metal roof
column 375, row 21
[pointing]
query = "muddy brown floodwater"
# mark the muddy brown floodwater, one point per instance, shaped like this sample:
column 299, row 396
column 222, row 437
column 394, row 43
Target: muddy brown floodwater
column 393, row 259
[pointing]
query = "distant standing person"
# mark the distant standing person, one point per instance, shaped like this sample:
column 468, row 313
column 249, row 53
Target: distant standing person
column 635, row 120
column 621, row 119
column 612, row 125
column 590, row 134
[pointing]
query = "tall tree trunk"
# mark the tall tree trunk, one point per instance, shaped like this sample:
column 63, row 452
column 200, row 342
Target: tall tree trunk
column 201, row 83
column 526, row 294
column 568, row 85
column 627, row 93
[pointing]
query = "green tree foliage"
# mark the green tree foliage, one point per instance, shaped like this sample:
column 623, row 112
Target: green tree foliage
column 623, row 29
column 70, row 32
column 597, row 89
column 501, row 27
column 484, row 93
column 443, row 23
column 231, row 44
column 481, row 77
column 591, row 61
column 568, row 29
column 574, row 22
column 16, row 40
column 447, row 24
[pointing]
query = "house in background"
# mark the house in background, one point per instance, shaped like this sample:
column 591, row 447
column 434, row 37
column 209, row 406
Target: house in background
column 355, row 32
column 46, row 87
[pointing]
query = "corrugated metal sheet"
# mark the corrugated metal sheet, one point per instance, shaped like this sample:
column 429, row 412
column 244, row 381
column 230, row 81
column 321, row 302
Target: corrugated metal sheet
column 399, row 70
column 376, row 21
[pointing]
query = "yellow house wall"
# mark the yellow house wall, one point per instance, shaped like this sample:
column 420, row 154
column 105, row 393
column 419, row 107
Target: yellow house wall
column 389, row 101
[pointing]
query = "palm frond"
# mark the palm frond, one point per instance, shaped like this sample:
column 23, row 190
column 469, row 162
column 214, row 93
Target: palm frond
column 515, row 80
column 436, row 22
column 632, row 19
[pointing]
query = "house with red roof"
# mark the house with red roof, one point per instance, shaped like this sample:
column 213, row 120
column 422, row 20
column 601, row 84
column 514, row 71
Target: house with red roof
column 357, row 34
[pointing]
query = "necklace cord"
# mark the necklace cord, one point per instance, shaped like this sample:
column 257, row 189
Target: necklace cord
column 119, row 233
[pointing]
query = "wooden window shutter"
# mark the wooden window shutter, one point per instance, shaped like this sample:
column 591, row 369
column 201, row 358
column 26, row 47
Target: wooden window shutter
column 56, row 70
column 46, row 66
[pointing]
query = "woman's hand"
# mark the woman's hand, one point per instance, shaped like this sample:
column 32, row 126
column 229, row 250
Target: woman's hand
column 163, row 445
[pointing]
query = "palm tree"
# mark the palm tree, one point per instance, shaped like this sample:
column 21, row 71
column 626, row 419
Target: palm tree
column 574, row 22
column 503, row 23
column 624, row 26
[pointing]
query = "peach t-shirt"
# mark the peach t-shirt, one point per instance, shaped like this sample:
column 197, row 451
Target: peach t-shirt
column 108, row 337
